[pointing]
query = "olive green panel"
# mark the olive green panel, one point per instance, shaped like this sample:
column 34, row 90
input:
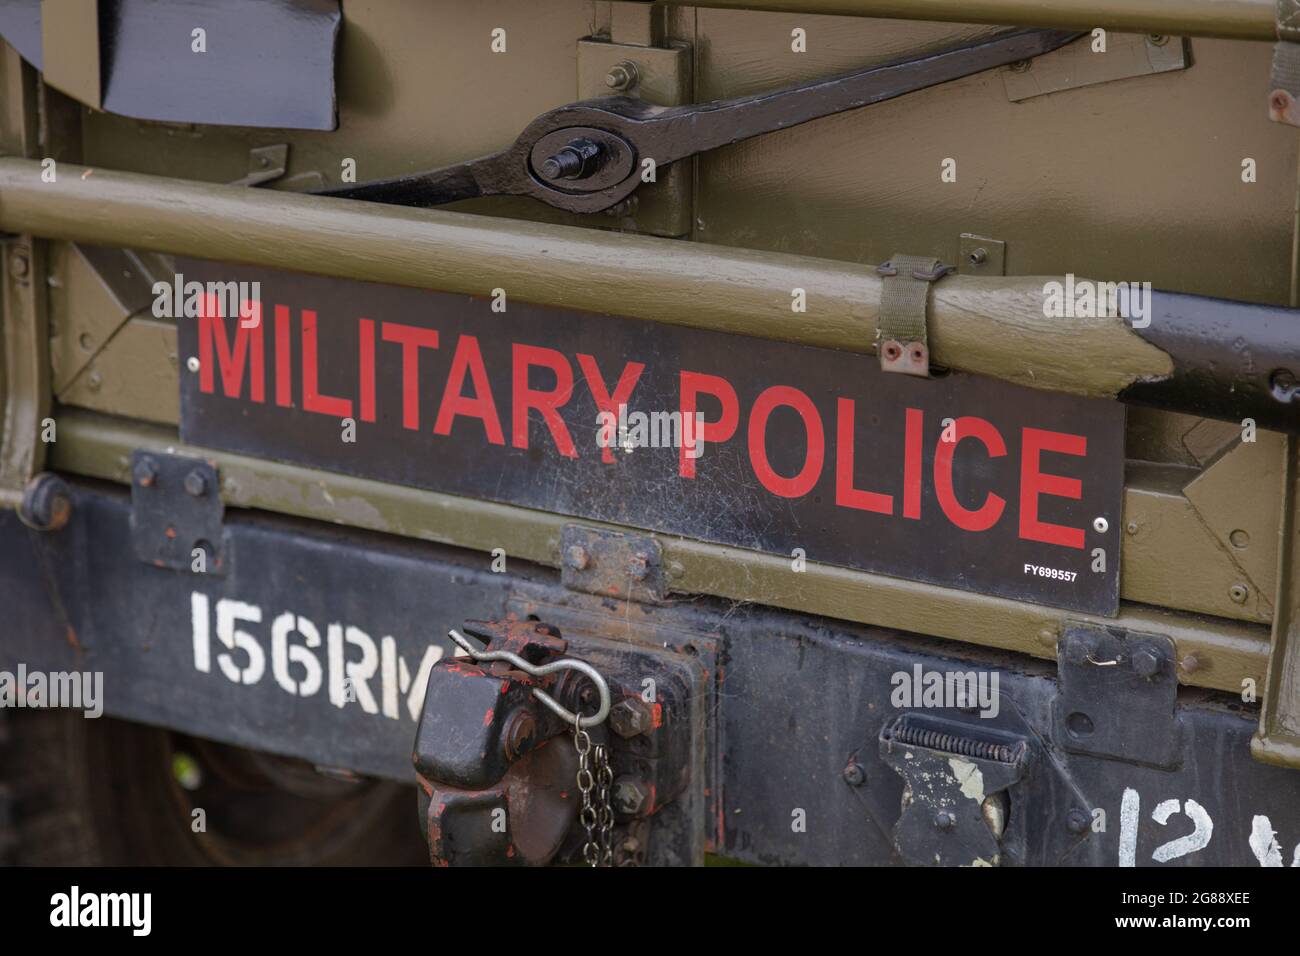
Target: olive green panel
column 1237, row 19
column 1172, row 559
column 1138, row 179
column 1211, row 652
column 135, row 374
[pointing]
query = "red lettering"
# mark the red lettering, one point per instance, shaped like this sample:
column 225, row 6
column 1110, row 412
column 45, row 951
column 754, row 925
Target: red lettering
column 545, row 402
column 693, row 384
column 366, row 356
column 412, row 339
column 988, row 513
column 1033, row 483
column 312, row 399
column 283, row 370
column 604, row 402
column 803, row 482
column 247, row 350
column 845, row 494
column 468, row 358
column 912, row 445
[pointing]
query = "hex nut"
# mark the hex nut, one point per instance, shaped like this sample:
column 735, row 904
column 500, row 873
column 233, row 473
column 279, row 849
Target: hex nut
column 630, row 717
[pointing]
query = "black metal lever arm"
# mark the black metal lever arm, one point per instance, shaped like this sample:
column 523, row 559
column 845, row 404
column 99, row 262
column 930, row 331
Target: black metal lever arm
column 587, row 156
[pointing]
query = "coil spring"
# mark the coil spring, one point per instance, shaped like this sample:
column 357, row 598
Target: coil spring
column 911, row 736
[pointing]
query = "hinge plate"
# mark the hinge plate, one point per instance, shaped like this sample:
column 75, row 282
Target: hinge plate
column 177, row 514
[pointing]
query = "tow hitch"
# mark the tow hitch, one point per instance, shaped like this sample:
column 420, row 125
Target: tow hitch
column 539, row 749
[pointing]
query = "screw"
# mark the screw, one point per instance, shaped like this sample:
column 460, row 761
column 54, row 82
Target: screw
column 1076, row 821
column 630, row 795
column 630, row 717
column 19, row 265
column 94, row 381
column 1189, row 663
column 146, row 472
column 1283, row 382
column 978, row 256
column 195, row 484
column 621, row 76
column 1157, row 39
column 1145, row 663
column 854, row 775
column 576, row 557
column 945, row 820
column 1131, row 527
column 1100, row 525
column 1239, row 593
column 192, row 363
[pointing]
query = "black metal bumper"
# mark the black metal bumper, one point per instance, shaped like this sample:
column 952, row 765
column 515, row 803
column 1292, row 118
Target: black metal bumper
column 314, row 642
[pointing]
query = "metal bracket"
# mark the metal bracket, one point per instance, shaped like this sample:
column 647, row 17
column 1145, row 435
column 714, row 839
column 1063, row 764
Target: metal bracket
column 1127, row 55
column 177, row 513
column 612, row 564
column 955, row 808
column 265, row 164
column 1117, row 696
column 1278, row 738
column 981, row 256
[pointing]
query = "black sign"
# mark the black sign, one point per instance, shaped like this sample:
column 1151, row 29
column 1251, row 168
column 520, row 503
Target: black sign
column 810, row 453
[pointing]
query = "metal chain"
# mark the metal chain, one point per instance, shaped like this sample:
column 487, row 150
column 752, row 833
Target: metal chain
column 586, row 783
column 599, row 848
column 605, row 781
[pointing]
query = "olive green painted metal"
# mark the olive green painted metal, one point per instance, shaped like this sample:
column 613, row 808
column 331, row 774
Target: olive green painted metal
column 1214, row 653
column 1278, row 738
column 1229, row 19
column 729, row 290
column 24, row 336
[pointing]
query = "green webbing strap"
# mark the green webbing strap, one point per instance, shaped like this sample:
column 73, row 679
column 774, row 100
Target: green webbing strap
column 900, row 329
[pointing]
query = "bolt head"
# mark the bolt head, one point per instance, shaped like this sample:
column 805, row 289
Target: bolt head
column 621, row 76
column 629, row 795
column 854, row 775
column 145, row 473
column 196, row 484
column 630, row 717
column 1076, row 821
column 19, row 265
column 1145, row 663
column 192, row 363
column 576, row 557
column 945, row 820
column 1238, row 593
column 638, row 566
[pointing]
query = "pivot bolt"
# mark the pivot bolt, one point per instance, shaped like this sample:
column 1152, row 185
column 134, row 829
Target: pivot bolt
column 945, row 819
column 854, row 775
column 577, row 160
column 1076, row 821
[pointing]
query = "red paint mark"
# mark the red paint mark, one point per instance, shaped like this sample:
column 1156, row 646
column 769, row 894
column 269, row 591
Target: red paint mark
column 487, row 718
